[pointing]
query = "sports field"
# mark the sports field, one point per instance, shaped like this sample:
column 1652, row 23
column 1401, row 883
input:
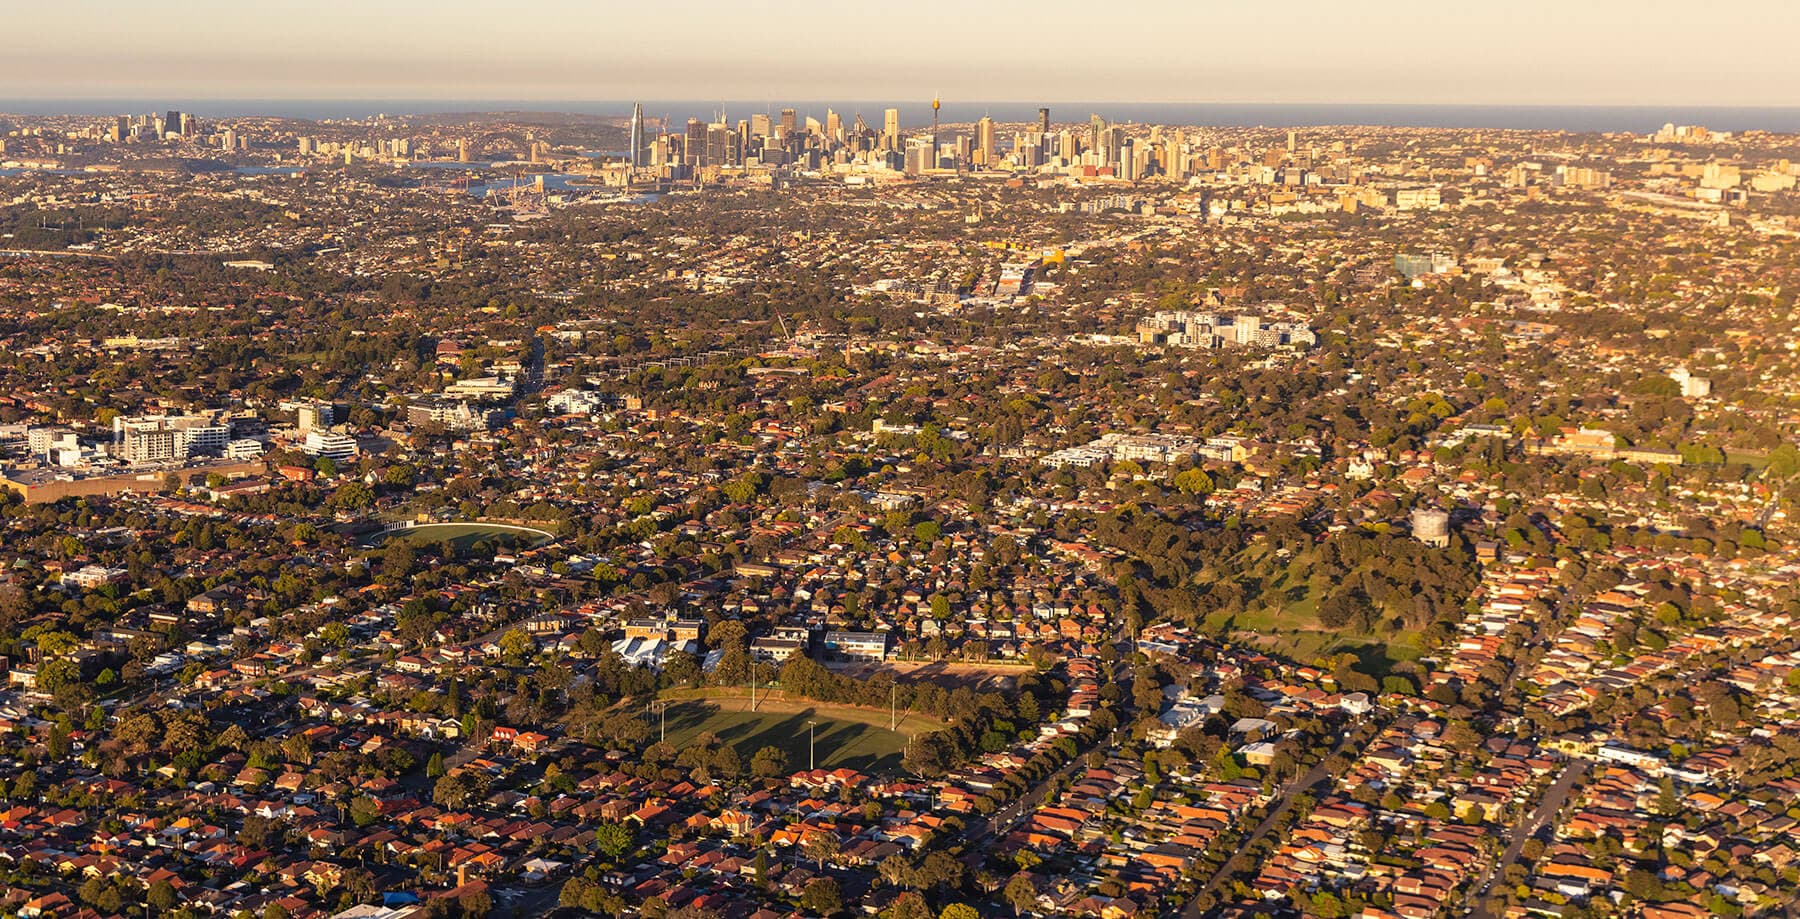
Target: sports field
column 464, row 535
column 845, row 736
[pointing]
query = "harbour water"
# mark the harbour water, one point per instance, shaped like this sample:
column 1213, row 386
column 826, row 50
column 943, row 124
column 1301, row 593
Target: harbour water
column 916, row 112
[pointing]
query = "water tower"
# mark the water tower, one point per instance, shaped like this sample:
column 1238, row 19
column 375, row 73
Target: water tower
column 1431, row 527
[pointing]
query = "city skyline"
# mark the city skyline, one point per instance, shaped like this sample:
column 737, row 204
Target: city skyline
column 1604, row 53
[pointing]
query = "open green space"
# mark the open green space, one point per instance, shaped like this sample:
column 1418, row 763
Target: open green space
column 1755, row 461
column 844, row 736
column 1284, row 617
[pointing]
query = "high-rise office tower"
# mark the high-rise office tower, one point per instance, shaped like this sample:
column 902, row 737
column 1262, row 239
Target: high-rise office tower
column 638, row 152
column 984, row 142
column 834, row 127
column 890, row 129
column 919, row 157
column 694, row 152
column 172, row 123
column 1096, row 128
column 1044, row 121
column 462, row 150
column 790, row 122
column 720, row 150
column 759, row 125
column 1292, row 142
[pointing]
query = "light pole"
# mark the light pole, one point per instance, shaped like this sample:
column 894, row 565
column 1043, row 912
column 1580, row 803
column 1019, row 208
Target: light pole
column 661, row 707
column 809, row 746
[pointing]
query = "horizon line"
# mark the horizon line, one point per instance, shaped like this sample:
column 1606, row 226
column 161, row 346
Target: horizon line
column 923, row 101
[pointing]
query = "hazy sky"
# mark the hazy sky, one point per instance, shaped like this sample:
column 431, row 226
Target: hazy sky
column 1656, row 52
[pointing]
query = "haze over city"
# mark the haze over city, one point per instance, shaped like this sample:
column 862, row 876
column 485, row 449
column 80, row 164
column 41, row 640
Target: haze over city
column 1607, row 52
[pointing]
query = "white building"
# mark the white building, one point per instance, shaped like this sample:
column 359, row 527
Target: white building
column 1692, row 387
column 329, row 445
column 861, row 646
column 168, row 438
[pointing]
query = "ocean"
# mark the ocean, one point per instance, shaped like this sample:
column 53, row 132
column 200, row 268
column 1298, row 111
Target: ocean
column 1581, row 118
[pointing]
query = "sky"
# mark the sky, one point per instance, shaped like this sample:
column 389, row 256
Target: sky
column 1522, row 52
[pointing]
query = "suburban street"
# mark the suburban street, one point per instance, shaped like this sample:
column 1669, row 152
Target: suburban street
column 1530, row 825
column 1283, row 801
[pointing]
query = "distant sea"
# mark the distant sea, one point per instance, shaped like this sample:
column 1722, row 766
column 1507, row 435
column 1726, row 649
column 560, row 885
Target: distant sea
column 914, row 113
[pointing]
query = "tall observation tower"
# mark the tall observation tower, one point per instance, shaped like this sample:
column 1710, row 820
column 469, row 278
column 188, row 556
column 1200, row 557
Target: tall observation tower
column 637, row 136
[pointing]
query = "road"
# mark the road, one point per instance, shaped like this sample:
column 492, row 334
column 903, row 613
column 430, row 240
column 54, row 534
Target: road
column 1285, row 800
column 1001, row 822
column 978, row 830
column 1548, row 806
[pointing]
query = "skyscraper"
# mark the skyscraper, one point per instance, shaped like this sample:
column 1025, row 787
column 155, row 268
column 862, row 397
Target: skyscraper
column 637, row 136
column 1112, row 146
column 1044, row 121
column 694, row 150
column 890, row 129
column 790, row 123
column 720, row 148
column 984, row 142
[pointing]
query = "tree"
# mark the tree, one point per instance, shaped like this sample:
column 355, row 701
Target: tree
column 726, row 762
column 353, row 495
column 455, row 790
column 475, row 904
column 57, row 675
column 769, row 762
column 1194, row 482
column 398, row 559
column 613, row 840
column 823, row 847
column 959, row 911
column 364, row 810
column 515, row 645
column 1784, row 461
column 161, row 896
column 1020, row 893
column 909, row 905
column 822, row 897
